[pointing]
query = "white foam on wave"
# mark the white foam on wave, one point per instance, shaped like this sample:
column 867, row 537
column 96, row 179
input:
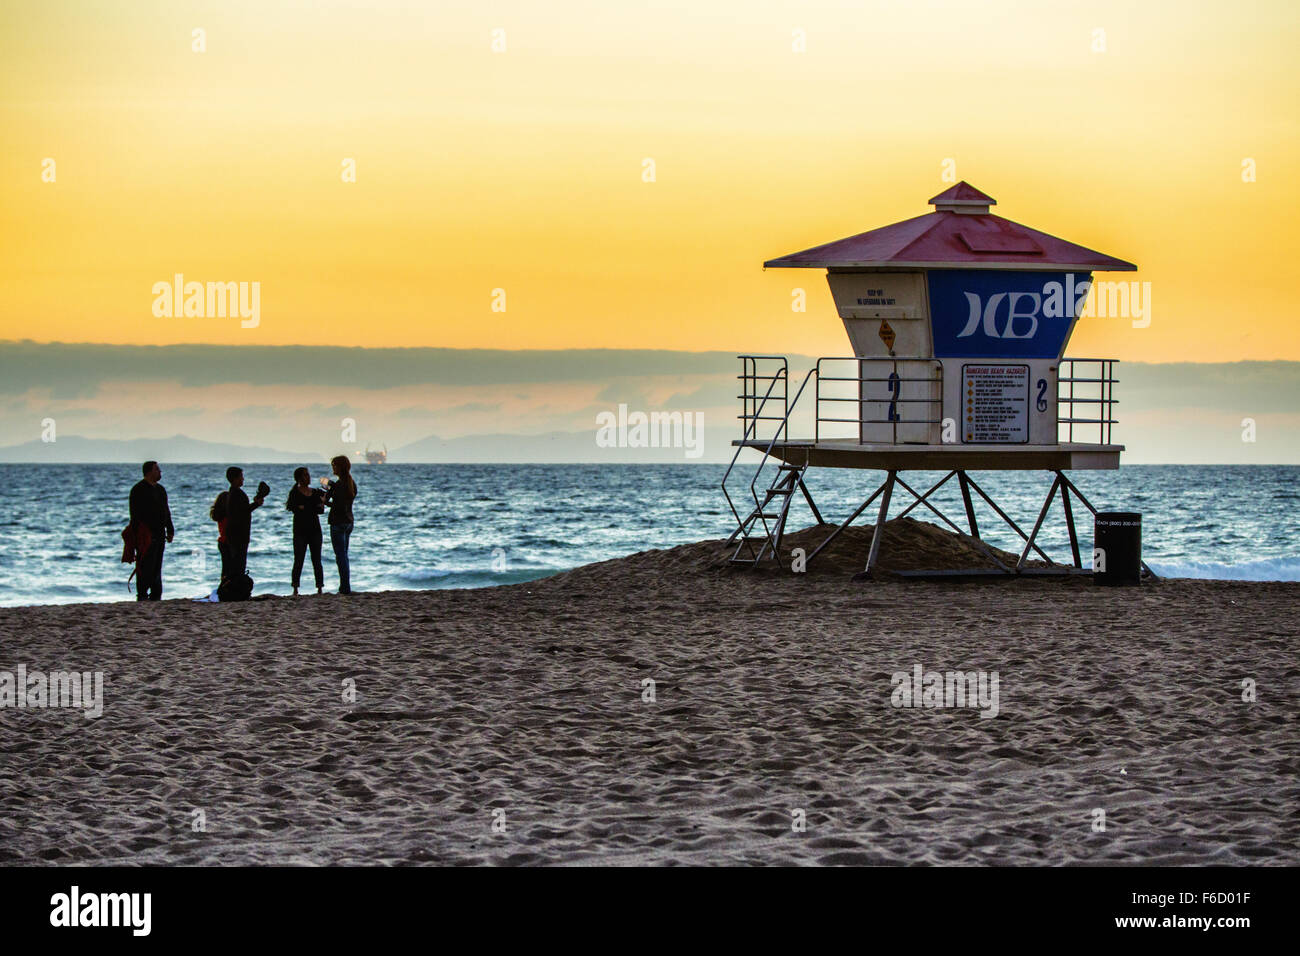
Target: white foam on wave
column 1265, row 569
column 427, row 577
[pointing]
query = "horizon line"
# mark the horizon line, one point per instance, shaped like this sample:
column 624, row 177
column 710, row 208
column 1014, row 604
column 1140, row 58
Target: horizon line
column 576, row 348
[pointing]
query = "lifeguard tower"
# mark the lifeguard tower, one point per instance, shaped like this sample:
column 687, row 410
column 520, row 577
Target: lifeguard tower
column 958, row 320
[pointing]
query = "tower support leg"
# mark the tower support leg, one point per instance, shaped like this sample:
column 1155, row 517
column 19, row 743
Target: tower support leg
column 970, row 508
column 1047, row 503
column 1069, row 518
column 880, row 521
column 808, row 498
column 920, row 500
column 847, row 521
column 1068, row 491
column 1011, row 524
column 924, row 499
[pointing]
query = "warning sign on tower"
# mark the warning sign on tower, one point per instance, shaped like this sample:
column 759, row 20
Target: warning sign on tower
column 995, row 404
column 887, row 334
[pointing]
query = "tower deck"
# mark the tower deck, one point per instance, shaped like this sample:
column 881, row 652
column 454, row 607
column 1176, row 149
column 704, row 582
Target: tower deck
column 1080, row 403
column 890, row 457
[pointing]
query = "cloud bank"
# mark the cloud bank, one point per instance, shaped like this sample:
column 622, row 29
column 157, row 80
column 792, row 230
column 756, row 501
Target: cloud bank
column 486, row 405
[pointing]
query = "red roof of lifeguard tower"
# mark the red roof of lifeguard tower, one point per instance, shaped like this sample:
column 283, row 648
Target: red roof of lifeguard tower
column 960, row 234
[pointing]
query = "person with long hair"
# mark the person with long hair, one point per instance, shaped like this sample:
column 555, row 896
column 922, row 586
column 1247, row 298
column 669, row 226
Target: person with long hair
column 339, row 495
column 307, row 504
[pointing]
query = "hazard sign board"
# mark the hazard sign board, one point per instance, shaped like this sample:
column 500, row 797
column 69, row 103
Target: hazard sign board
column 887, row 334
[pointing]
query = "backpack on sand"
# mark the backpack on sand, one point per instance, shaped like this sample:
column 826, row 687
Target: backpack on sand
column 235, row 589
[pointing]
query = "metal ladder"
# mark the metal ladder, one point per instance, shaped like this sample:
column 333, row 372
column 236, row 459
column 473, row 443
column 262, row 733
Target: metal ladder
column 787, row 480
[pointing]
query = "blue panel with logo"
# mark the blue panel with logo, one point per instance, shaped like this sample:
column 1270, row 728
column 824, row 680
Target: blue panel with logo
column 985, row 313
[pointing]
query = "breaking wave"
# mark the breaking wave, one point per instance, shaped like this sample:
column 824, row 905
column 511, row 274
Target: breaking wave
column 1264, row 569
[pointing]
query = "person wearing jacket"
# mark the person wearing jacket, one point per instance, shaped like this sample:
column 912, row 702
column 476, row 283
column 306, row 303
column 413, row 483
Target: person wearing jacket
column 307, row 504
column 149, row 510
column 239, row 524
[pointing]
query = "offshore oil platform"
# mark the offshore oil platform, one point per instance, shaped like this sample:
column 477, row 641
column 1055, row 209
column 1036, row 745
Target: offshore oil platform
column 958, row 321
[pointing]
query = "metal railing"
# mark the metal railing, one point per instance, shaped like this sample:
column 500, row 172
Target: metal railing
column 882, row 374
column 758, row 391
column 1095, row 392
column 754, row 411
column 1085, row 396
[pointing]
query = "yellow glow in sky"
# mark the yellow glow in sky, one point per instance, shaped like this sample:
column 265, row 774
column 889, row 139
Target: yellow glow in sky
column 771, row 127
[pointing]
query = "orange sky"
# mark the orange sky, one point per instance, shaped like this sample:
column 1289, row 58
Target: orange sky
column 522, row 170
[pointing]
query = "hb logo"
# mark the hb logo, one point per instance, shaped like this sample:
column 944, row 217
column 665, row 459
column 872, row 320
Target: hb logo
column 986, row 318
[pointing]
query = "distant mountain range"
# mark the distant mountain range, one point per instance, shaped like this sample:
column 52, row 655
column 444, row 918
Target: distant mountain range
column 75, row 449
column 549, row 448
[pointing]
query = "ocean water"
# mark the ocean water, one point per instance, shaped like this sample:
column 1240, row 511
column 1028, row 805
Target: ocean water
column 447, row 526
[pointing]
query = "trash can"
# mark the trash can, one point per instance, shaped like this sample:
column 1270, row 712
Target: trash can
column 1117, row 548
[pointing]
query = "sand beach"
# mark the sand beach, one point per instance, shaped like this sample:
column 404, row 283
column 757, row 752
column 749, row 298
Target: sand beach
column 518, row 725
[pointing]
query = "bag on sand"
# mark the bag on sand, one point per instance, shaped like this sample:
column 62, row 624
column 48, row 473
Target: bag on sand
column 235, row 589
column 136, row 540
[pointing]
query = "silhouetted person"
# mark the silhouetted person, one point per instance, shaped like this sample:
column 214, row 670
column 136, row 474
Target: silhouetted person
column 149, row 509
column 218, row 514
column 307, row 505
column 339, row 496
column 239, row 525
